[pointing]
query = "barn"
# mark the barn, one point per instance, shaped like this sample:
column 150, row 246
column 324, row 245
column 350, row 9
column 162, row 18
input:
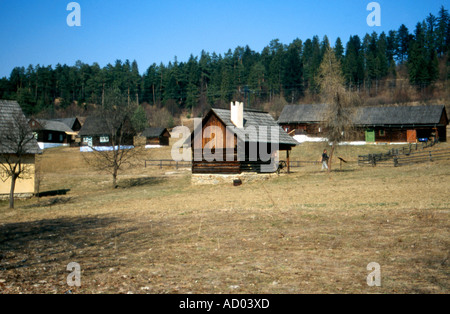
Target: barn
column 237, row 141
column 51, row 133
column 403, row 123
column 156, row 137
column 399, row 124
column 25, row 187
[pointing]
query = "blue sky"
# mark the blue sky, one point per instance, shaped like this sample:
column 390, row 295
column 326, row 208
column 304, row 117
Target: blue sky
column 36, row 32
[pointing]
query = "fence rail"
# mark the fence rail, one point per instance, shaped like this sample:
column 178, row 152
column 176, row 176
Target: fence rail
column 167, row 163
column 403, row 159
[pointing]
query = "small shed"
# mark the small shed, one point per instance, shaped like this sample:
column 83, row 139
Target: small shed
column 156, row 137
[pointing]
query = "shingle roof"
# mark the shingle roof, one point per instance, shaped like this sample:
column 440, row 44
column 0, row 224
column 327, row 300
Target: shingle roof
column 303, row 113
column 53, row 125
column 253, row 121
column 67, row 121
column 153, row 132
column 93, row 126
column 98, row 126
column 403, row 115
column 374, row 116
column 10, row 112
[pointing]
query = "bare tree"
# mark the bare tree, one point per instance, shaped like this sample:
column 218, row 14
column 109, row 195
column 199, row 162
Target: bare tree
column 338, row 122
column 17, row 144
column 113, row 122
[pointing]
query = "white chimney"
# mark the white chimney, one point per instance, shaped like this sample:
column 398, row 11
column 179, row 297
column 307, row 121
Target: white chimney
column 237, row 114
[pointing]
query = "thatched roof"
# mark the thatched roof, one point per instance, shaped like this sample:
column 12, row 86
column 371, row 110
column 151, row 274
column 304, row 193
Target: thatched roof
column 10, row 115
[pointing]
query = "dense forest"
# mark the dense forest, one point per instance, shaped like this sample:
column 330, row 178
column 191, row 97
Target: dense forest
column 280, row 72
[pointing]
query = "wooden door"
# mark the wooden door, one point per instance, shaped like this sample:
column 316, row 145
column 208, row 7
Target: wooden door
column 411, row 136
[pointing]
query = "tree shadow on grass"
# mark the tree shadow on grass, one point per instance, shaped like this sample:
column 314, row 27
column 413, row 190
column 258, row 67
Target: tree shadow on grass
column 26, row 243
column 136, row 182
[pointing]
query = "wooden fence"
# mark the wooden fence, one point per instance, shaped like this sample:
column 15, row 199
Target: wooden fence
column 168, row 163
column 403, row 159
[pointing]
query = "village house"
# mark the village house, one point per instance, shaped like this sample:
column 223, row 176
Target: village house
column 25, row 186
column 97, row 133
column 156, row 137
column 237, row 141
column 51, row 133
column 400, row 124
column 75, row 125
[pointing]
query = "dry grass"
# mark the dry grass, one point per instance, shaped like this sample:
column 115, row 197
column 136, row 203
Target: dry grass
column 308, row 232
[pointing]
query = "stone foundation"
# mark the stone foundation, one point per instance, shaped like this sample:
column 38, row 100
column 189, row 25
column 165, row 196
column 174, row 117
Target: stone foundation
column 16, row 195
column 245, row 177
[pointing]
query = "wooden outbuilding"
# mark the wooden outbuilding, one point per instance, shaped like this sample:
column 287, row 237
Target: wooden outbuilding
column 236, row 141
column 156, row 137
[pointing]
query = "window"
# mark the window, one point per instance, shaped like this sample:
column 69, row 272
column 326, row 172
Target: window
column 35, row 135
column 61, row 137
column 87, row 140
column 50, row 136
column 382, row 133
column 104, row 139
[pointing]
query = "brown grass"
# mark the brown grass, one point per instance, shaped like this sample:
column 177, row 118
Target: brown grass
column 307, row 232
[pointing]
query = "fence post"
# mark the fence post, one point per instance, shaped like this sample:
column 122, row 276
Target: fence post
column 431, row 159
column 160, row 164
column 395, row 162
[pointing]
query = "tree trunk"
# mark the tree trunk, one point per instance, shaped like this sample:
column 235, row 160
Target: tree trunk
column 11, row 192
column 115, row 178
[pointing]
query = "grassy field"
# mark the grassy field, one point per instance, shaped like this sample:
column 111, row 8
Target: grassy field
column 307, row 232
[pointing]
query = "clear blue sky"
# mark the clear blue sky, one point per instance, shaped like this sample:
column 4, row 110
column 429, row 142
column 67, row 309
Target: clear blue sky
column 36, row 32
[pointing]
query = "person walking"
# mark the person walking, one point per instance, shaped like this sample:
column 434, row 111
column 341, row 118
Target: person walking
column 325, row 160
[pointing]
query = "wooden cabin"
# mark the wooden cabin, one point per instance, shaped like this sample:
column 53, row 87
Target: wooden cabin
column 25, row 186
column 218, row 142
column 155, row 137
column 51, row 133
column 99, row 132
column 372, row 124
